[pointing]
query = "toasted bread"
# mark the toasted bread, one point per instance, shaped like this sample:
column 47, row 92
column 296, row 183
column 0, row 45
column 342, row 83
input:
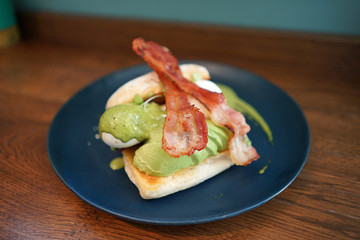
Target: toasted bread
column 151, row 187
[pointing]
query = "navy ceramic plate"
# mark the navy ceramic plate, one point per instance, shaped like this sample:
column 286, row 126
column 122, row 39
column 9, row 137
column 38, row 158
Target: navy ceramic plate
column 82, row 161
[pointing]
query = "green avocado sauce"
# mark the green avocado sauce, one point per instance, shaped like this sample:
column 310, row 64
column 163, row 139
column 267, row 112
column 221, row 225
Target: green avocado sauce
column 261, row 171
column 128, row 121
column 240, row 105
column 117, row 163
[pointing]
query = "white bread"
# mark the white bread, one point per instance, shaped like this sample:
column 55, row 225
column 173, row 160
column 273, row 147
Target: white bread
column 151, row 187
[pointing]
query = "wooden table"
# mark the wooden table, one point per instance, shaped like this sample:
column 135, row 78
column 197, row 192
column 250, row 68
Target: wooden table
column 59, row 55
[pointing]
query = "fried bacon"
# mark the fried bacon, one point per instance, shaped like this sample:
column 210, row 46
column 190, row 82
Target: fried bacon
column 166, row 66
column 185, row 128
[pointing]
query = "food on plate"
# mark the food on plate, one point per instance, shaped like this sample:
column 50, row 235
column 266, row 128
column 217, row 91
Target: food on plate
column 173, row 126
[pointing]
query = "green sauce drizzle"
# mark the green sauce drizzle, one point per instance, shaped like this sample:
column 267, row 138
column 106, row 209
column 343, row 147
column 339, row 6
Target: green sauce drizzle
column 261, row 171
column 240, row 105
column 117, row 163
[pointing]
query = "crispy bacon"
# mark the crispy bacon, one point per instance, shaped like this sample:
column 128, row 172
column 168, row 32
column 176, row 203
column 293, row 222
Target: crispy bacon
column 185, row 128
column 164, row 63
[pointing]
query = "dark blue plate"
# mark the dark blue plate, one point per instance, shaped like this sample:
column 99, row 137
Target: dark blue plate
column 82, row 161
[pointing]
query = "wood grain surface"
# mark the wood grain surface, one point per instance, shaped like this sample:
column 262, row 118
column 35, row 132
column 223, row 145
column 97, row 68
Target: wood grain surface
column 59, row 55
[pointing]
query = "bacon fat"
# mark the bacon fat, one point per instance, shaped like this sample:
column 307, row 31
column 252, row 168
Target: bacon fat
column 166, row 66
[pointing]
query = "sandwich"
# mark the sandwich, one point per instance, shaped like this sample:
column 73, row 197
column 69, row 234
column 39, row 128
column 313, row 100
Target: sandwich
column 173, row 126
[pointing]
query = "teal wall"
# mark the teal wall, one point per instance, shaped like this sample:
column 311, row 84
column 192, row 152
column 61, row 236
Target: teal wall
column 7, row 14
column 323, row 16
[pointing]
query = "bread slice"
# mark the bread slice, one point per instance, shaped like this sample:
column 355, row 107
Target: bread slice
column 151, row 187
column 150, row 84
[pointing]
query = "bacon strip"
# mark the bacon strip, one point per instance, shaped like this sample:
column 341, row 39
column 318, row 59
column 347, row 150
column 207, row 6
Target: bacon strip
column 164, row 63
column 185, row 128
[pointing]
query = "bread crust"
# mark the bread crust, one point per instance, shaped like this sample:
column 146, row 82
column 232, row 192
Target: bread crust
column 151, row 187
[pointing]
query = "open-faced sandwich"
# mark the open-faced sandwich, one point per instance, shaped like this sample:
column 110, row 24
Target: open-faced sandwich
column 173, row 126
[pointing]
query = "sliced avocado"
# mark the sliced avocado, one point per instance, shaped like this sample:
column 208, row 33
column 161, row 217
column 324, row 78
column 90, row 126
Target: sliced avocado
column 211, row 147
column 153, row 160
column 158, row 162
column 221, row 134
column 198, row 156
column 216, row 138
